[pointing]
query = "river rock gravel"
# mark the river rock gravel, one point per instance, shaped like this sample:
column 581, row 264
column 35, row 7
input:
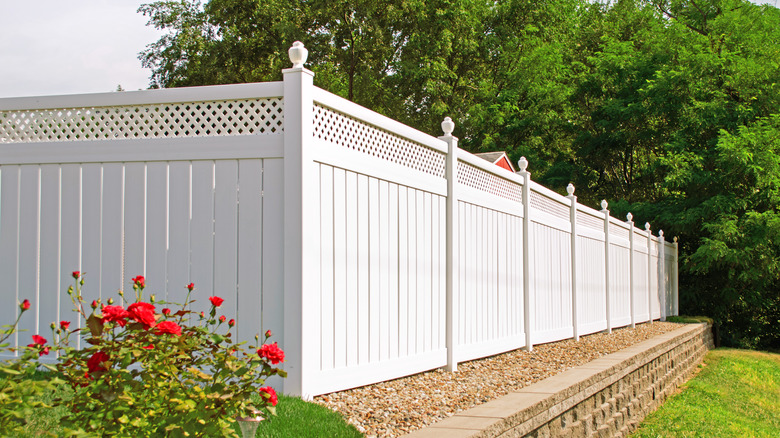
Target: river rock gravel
column 397, row 407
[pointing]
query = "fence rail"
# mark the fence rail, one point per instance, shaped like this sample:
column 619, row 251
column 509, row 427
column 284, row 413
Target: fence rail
column 371, row 249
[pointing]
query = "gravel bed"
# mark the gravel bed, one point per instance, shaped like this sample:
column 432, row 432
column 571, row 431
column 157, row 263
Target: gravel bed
column 396, row 407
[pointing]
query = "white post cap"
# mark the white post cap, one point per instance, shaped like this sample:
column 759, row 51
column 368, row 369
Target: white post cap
column 298, row 54
column 447, row 126
column 522, row 163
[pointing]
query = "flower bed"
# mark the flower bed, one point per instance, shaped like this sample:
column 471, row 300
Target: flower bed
column 142, row 372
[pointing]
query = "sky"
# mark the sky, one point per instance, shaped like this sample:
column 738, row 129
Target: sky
column 76, row 46
column 72, row 46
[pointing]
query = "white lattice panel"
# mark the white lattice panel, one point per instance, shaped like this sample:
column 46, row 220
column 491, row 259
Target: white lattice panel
column 196, row 119
column 590, row 221
column 617, row 230
column 477, row 178
column 547, row 205
column 346, row 131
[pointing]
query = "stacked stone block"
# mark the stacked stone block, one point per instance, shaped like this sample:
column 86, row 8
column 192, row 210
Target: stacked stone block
column 607, row 397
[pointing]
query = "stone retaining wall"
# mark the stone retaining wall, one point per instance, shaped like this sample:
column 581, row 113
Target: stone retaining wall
column 607, row 397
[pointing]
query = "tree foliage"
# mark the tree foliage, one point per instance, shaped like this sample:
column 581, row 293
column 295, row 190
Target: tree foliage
column 667, row 108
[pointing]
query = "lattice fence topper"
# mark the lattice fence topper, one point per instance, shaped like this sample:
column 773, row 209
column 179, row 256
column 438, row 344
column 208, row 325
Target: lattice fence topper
column 590, row 221
column 477, row 178
column 618, row 231
column 547, row 205
column 349, row 132
column 195, row 119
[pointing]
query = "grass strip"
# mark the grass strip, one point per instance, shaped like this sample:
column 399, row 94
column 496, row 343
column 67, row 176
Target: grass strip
column 735, row 394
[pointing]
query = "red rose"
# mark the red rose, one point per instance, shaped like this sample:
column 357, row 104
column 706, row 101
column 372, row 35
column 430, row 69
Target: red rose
column 166, row 311
column 271, row 397
column 148, row 347
column 190, row 287
column 231, row 323
column 143, row 313
column 98, row 362
column 216, row 301
column 115, row 314
column 38, row 342
column 202, row 315
column 25, row 305
column 268, row 333
column 94, row 304
column 169, row 327
column 272, row 352
column 222, row 318
column 64, row 325
column 76, row 274
column 139, row 281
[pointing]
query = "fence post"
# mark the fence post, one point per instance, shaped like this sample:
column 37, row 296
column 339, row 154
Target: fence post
column 452, row 260
column 649, row 269
column 630, row 222
column 527, row 301
column 300, row 228
column 662, row 272
column 573, row 221
column 606, row 261
column 675, row 280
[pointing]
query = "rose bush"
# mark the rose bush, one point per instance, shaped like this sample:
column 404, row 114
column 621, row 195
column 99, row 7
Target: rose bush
column 144, row 372
column 20, row 391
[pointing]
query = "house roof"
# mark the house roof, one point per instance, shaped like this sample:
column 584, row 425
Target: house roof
column 498, row 158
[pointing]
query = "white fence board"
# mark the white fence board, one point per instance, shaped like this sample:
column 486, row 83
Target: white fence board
column 620, row 303
column 49, row 256
column 70, row 238
column 273, row 246
column 156, row 218
column 179, row 207
column 250, row 260
column 591, row 286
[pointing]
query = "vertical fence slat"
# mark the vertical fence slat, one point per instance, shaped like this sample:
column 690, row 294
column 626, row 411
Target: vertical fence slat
column 135, row 211
column 250, row 260
column 157, row 230
column 272, row 283
column 383, row 280
column 403, row 271
column 226, row 237
column 202, row 239
column 326, row 267
column 70, row 238
column 373, row 270
column 179, row 205
column 49, row 275
column 112, row 251
column 362, row 265
column 352, row 317
column 393, row 257
column 340, row 268
column 9, row 241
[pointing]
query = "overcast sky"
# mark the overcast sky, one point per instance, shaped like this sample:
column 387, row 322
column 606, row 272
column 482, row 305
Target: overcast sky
column 71, row 46
column 76, row 46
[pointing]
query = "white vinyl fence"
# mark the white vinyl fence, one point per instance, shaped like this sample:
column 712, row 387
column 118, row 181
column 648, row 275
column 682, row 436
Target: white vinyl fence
column 370, row 249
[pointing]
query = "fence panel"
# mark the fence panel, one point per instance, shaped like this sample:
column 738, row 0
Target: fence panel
column 591, row 285
column 655, row 280
column 193, row 191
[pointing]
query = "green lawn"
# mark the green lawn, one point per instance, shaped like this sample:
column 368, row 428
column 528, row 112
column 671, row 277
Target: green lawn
column 735, row 394
column 295, row 418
